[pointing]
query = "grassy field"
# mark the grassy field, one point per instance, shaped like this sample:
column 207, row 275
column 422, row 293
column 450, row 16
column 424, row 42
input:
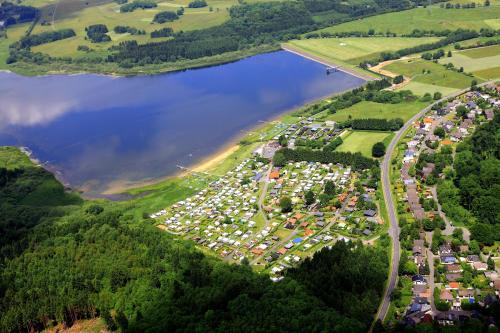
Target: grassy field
column 353, row 50
column 438, row 77
column 430, row 18
column 483, row 62
column 367, row 109
column 13, row 158
column 421, row 88
column 363, row 141
column 109, row 14
column 488, row 74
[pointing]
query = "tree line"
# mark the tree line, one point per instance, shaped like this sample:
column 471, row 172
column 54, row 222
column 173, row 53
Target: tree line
column 137, row 4
column 44, row 37
column 375, row 124
column 355, row 160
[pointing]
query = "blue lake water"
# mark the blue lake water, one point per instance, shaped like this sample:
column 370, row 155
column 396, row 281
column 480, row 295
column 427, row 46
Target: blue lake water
column 96, row 130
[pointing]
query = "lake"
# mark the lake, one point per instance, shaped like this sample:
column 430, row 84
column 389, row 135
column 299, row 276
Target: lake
column 96, row 130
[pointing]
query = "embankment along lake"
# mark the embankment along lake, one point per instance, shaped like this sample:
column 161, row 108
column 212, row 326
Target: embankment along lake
column 95, row 130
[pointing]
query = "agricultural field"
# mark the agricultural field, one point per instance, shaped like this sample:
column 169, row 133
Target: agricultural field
column 363, row 141
column 483, row 62
column 368, row 109
column 108, row 13
column 430, row 18
column 430, row 76
column 353, row 50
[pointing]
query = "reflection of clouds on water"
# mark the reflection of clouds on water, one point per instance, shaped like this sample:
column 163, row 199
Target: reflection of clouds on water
column 41, row 100
column 29, row 113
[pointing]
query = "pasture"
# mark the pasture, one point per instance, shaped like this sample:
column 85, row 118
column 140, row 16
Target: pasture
column 430, row 18
column 367, row 109
column 429, row 73
column 108, row 13
column 354, row 49
column 363, row 141
column 482, row 61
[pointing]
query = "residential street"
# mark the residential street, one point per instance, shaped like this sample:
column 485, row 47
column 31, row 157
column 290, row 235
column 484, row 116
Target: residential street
column 388, row 197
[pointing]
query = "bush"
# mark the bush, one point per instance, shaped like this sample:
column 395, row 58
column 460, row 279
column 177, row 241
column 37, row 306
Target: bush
column 163, row 32
column 197, row 4
column 166, row 16
column 378, row 149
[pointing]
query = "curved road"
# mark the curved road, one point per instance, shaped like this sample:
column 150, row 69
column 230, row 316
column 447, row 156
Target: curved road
column 391, row 210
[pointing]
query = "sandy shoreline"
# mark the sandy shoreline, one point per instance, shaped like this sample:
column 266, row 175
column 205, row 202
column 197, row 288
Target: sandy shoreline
column 204, row 165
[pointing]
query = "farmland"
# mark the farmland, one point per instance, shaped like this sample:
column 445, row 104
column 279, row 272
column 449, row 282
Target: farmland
column 482, row 62
column 430, row 18
column 363, row 141
column 433, row 76
column 368, row 109
column 109, row 14
column 352, row 50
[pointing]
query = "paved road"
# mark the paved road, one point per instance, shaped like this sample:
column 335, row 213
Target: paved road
column 393, row 226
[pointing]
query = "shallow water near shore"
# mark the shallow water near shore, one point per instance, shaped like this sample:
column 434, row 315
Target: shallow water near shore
column 94, row 130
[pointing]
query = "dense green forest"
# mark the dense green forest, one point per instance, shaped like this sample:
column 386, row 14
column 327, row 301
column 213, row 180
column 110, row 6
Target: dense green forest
column 472, row 194
column 64, row 259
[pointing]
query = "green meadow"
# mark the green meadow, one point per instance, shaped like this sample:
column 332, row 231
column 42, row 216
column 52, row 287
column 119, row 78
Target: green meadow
column 483, row 62
column 367, row 109
column 430, row 74
column 108, row 13
column 430, row 18
column 354, row 49
column 363, row 141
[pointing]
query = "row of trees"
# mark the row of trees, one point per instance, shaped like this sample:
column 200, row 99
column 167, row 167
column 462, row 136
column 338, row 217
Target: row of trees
column 123, row 29
column 197, row 4
column 136, row 4
column 453, row 37
column 377, row 124
column 44, row 37
column 356, row 161
column 84, row 260
column 163, row 32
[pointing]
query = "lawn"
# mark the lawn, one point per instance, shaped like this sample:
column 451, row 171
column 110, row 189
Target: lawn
column 363, row 141
column 368, row 109
column 354, row 49
column 439, row 76
column 430, row 18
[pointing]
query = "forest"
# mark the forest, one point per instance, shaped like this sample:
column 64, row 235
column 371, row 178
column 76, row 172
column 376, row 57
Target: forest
column 65, row 259
column 472, row 195
column 249, row 25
